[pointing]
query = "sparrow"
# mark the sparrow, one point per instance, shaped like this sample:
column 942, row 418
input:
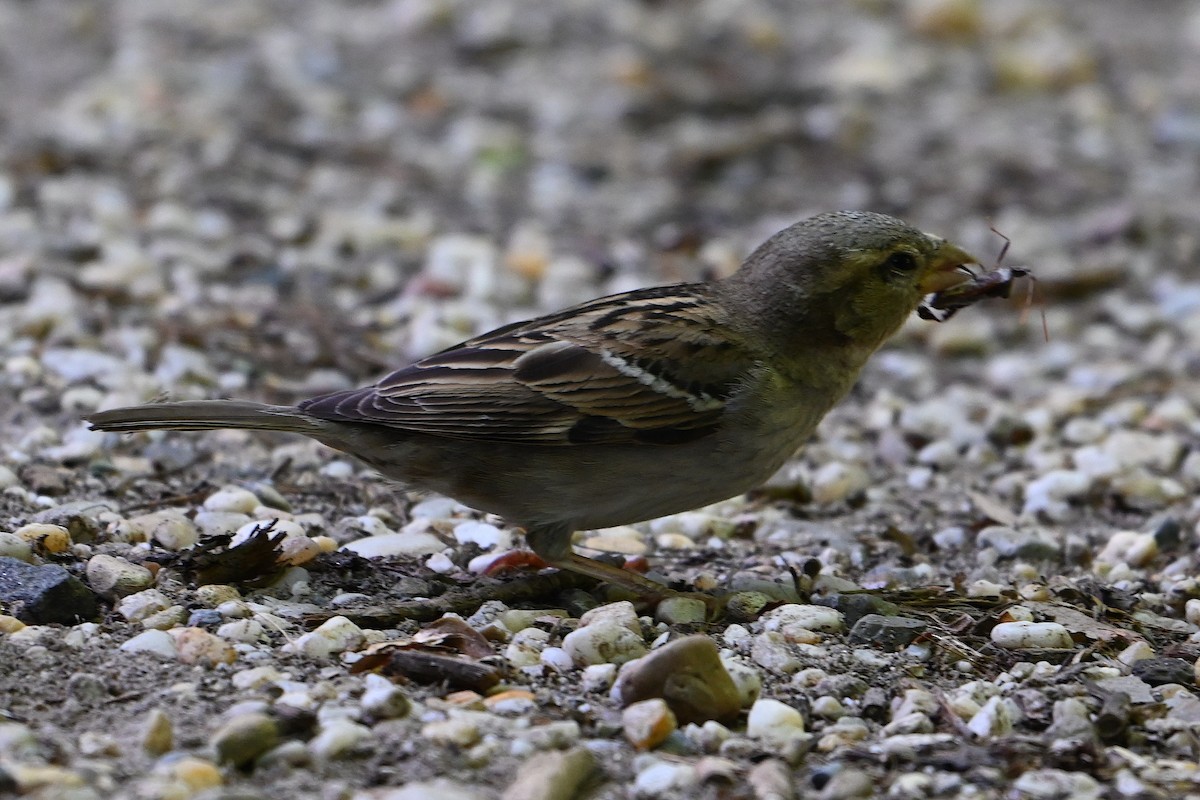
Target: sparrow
column 631, row 406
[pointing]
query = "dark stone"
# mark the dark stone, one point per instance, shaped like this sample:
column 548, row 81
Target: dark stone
column 46, row 594
column 1161, row 671
column 205, row 618
column 856, row 606
column 890, row 633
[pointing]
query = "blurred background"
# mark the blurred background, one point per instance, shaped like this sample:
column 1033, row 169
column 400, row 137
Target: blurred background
column 286, row 197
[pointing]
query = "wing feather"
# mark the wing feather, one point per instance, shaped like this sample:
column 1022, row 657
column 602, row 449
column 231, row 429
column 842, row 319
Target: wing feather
column 652, row 365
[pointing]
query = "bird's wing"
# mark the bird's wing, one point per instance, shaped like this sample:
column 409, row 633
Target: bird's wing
column 652, row 365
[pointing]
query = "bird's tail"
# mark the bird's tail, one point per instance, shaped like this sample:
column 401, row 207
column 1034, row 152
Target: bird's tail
column 199, row 415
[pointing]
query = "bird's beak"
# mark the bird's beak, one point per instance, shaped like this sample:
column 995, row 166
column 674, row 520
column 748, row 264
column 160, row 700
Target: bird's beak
column 946, row 267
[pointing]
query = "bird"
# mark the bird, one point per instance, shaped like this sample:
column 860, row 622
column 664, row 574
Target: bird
column 631, row 406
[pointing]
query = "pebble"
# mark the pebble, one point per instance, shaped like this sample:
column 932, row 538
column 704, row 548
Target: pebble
column 487, row 537
column 13, row 546
column 1129, row 547
column 436, row 789
column 662, row 778
column 383, row 699
column 624, row 540
column 745, row 678
column 525, row 648
column 232, row 500
column 459, row 730
column 1031, row 635
column 607, row 634
column 140, row 605
column 244, row 738
column 156, row 642
column 198, row 646
column 600, row 677
column 889, row 633
column 339, row 738
column 45, row 538
column 158, row 734
column 688, row 675
column 774, row 722
column 409, row 543
column 1026, row 544
column 1051, row 494
column 647, row 723
column 1057, row 784
column 553, row 775
column 115, row 577
column 169, row 529
column 996, row 717
column 795, row 621
column 44, row 594
column 333, row 636
column 836, row 481
column 770, row 651
column 681, row 610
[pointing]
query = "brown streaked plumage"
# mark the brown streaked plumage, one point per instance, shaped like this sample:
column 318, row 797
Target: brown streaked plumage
column 631, row 406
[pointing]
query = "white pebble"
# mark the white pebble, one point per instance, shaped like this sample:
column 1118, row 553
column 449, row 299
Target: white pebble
column 997, row 717
column 411, row 543
column 482, row 534
column 1031, row 635
column 140, row 605
column 774, row 721
column 603, row 642
column 158, row 642
column 335, row 635
column 793, row 617
column 338, row 738
column 232, row 499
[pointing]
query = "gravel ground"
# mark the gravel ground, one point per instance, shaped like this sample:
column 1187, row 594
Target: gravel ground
column 978, row 581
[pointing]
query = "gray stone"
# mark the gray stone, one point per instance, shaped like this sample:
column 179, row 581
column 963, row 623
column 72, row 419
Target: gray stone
column 44, row 594
column 890, row 633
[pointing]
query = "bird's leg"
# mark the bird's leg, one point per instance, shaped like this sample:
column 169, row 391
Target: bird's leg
column 554, row 546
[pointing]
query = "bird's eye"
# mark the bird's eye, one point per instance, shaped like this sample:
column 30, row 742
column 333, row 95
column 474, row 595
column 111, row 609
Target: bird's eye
column 900, row 262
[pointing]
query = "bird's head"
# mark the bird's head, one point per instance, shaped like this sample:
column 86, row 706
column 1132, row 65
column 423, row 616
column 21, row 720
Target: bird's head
column 848, row 277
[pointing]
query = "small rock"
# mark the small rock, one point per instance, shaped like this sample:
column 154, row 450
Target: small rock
column 1031, row 635
column 525, row 648
column 1052, row 493
column 13, row 546
column 1057, row 784
column 383, row 699
column 774, row 722
column 681, row 610
column 338, row 739
column 233, row 500
column 1026, row 544
column 157, row 642
column 244, row 738
column 115, row 577
column 835, row 481
column 997, row 717
column 553, row 775
column 198, row 646
column 45, row 538
column 689, row 675
column 169, row 529
column 158, row 735
column 608, row 634
column 1129, row 547
column 796, row 620
column 409, row 543
column 647, row 723
column 140, row 605
column 1161, row 671
column 47, row 594
column 890, row 633
column 333, row 636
